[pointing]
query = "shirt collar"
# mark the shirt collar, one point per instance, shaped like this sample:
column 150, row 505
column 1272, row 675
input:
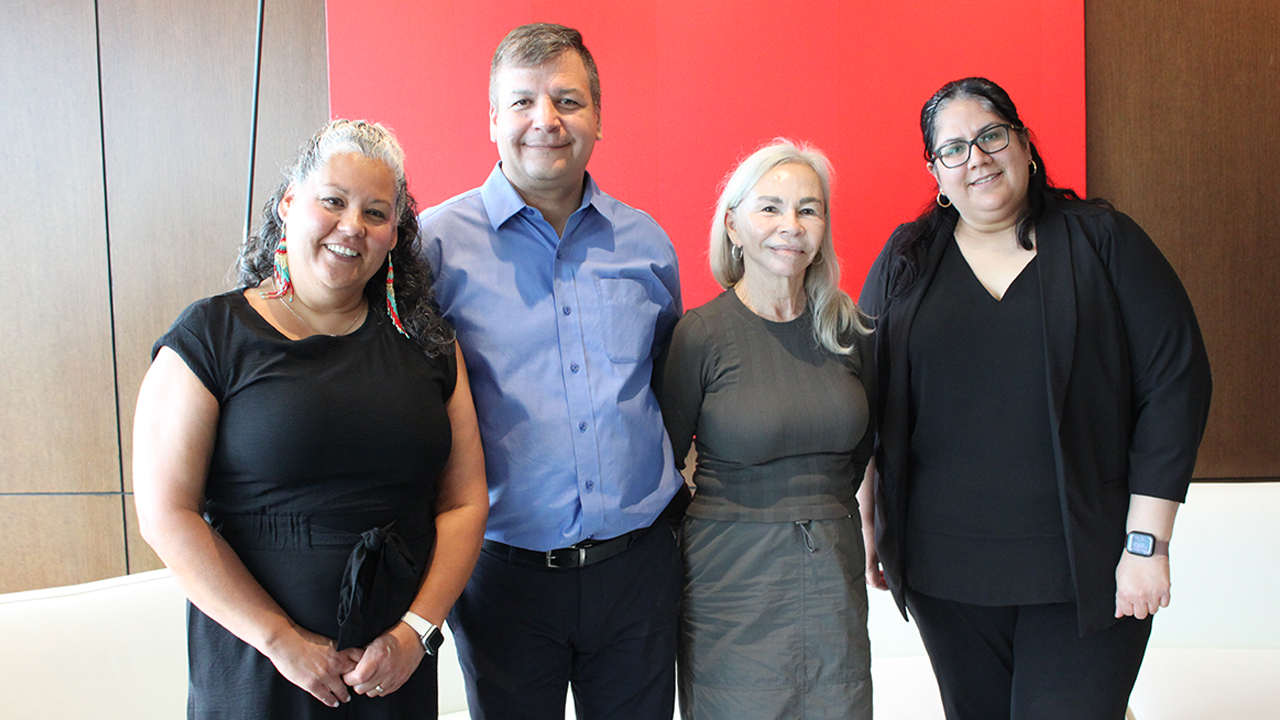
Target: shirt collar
column 501, row 201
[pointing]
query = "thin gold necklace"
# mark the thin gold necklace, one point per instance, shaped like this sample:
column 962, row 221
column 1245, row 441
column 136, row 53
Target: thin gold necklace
column 287, row 306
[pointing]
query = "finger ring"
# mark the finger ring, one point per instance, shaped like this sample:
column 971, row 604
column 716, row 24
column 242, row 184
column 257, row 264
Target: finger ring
column 378, row 689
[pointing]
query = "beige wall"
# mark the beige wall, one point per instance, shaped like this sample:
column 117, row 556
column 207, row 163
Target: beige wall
column 125, row 161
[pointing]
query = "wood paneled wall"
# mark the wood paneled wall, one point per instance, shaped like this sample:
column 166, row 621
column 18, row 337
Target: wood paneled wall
column 1182, row 106
column 125, row 166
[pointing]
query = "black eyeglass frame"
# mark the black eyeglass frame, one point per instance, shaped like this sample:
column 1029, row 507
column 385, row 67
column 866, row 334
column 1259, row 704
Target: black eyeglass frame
column 1010, row 128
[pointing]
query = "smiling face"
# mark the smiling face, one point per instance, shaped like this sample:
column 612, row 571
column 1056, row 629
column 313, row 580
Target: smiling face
column 545, row 124
column 340, row 224
column 779, row 224
column 989, row 190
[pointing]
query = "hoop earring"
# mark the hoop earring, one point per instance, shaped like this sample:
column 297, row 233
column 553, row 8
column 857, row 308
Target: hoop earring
column 280, row 275
column 1034, row 168
column 735, row 251
column 818, row 259
column 391, row 298
column 943, row 200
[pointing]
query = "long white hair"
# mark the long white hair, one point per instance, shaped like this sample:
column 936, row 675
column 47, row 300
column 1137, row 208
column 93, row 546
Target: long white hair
column 836, row 318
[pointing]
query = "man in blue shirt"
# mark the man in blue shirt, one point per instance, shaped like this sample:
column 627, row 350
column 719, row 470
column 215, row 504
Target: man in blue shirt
column 562, row 298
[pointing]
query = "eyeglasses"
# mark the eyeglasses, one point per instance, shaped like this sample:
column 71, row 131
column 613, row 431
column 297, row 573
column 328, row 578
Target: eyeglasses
column 991, row 141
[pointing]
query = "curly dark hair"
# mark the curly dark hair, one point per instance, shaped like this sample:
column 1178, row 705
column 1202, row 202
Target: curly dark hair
column 415, row 300
column 911, row 246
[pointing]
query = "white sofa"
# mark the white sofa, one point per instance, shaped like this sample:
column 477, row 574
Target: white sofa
column 116, row 648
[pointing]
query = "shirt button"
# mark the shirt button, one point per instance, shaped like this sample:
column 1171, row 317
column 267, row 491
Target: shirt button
column 591, row 484
column 567, row 310
column 559, row 255
column 573, row 367
column 582, row 427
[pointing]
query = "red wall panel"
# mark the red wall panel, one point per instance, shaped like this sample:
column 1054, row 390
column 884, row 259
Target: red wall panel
column 689, row 87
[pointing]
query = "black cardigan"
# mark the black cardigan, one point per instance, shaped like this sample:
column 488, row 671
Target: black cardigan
column 1128, row 380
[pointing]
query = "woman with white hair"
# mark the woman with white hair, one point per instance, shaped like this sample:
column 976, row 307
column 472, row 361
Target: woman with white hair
column 767, row 380
column 306, row 455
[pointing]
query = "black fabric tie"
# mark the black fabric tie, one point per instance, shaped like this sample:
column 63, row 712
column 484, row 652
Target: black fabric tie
column 378, row 585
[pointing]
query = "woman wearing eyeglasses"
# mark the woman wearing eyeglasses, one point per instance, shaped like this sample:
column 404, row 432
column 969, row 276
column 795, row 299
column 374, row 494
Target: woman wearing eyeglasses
column 1043, row 391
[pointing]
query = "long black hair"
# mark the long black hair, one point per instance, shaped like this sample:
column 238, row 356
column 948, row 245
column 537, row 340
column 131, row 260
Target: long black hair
column 911, row 245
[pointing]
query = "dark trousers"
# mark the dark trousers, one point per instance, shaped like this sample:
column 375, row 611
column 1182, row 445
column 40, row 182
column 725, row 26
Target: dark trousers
column 525, row 634
column 1028, row 662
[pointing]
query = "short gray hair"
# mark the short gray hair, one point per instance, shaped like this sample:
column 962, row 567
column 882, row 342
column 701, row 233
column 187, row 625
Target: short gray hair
column 536, row 44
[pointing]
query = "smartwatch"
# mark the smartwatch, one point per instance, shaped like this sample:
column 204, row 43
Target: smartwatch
column 1145, row 544
column 428, row 633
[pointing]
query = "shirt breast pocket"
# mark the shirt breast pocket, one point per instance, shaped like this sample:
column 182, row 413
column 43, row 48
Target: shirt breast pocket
column 629, row 316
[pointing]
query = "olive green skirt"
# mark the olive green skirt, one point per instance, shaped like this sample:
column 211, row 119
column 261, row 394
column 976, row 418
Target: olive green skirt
column 773, row 621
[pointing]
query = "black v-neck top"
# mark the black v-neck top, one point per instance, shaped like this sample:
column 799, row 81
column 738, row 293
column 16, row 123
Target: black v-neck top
column 983, row 502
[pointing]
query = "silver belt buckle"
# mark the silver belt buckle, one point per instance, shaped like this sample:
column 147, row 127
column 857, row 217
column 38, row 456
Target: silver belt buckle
column 582, row 558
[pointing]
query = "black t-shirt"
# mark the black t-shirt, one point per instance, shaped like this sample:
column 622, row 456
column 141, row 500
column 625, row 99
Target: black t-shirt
column 350, row 431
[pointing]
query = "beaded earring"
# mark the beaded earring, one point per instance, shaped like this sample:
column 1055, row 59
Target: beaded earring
column 284, row 286
column 391, row 298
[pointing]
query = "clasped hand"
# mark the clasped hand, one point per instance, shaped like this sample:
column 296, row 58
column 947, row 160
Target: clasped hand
column 313, row 663
column 387, row 662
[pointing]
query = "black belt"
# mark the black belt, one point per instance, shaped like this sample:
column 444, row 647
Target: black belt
column 585, row 553
column 589, row 552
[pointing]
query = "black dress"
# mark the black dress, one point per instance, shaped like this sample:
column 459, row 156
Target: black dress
column 319, row 440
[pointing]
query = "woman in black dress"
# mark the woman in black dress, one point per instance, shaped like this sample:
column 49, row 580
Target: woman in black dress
column 1044, row 388
column 306, row 456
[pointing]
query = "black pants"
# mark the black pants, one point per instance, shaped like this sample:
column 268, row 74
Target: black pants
column 525, row 634
column 1028, row 662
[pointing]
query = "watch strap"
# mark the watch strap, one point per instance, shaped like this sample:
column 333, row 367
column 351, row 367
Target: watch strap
column 428, row 633
column 1158, row 547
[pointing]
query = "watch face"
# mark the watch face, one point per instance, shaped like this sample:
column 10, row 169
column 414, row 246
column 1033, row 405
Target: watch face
column 1141, row 544
column 432, row 641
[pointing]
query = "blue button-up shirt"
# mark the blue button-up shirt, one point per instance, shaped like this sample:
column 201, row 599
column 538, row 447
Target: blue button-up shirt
column 560, row 335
